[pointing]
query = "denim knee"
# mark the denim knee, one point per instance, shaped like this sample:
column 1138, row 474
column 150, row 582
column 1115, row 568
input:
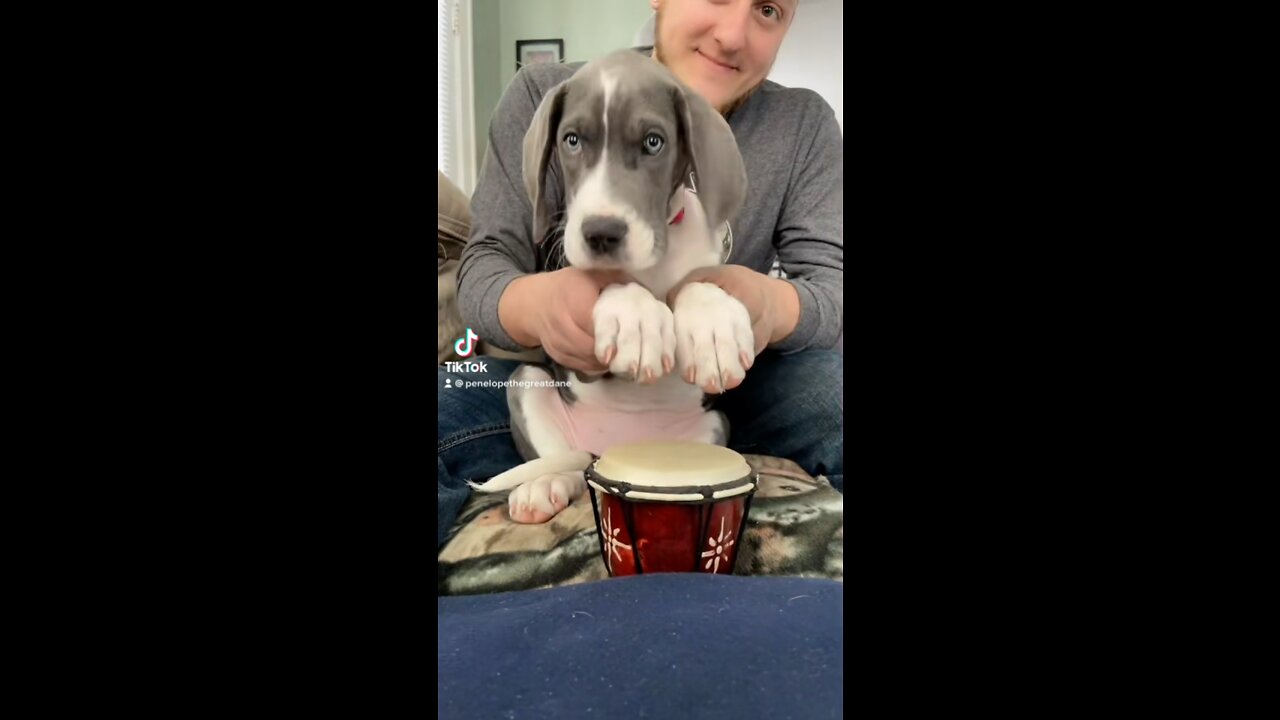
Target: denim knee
column 473, row 436
column 791, row 406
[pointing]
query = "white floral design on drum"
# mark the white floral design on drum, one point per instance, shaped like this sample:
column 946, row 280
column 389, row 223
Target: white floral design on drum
column 611, row 538
column 718, row 547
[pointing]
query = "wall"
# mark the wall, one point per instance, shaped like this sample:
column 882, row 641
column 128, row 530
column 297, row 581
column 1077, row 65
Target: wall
column 485, row 26
column 812, row 55
column 589, row 28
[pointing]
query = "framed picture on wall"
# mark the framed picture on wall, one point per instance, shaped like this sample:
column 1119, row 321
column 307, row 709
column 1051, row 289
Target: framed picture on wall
column 536, row 52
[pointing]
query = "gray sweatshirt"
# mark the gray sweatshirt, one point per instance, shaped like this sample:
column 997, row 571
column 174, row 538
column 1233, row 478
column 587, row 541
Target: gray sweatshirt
column 794, row 155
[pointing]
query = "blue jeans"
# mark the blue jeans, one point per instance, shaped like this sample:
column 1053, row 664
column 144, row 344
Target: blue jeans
column 790, row 406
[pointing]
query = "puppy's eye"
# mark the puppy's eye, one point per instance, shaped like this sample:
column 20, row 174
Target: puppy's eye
column 653, row 143
column 571, row 141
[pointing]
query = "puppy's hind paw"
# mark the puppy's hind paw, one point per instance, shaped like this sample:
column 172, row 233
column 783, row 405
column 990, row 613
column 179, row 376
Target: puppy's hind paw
column 542, row 498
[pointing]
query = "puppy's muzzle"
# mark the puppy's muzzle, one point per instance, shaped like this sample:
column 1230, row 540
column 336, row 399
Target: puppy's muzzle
column 604, row 234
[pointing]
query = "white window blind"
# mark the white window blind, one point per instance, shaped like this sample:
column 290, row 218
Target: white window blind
column 445, row 136
column 455, row 135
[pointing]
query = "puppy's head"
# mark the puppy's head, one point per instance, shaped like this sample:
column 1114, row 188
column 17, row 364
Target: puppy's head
column 625, row 134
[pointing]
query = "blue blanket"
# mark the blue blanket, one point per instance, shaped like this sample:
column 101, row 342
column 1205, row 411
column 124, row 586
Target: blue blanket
column 661, row 646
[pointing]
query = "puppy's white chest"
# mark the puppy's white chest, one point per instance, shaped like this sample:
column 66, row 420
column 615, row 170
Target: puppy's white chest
column 690, row 245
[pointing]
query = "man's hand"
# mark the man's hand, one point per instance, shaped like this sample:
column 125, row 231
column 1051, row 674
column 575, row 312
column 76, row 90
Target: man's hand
column 772, row 304
column 554, row 310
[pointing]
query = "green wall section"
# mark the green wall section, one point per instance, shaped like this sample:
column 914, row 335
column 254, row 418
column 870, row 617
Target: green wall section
column 589, row 28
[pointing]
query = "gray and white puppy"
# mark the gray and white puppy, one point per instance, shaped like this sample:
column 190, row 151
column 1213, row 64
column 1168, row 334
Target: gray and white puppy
column 624, row 136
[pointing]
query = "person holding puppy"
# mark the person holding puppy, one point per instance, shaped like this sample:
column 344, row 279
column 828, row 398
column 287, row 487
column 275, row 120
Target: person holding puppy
column 514, row 294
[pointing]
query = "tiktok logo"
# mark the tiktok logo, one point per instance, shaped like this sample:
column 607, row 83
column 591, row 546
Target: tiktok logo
column 465, row 345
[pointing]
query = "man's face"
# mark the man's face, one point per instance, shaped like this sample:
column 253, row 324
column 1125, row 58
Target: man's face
column 722, row 49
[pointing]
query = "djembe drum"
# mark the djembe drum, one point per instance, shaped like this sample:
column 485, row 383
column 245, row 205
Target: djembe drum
column 670, row 507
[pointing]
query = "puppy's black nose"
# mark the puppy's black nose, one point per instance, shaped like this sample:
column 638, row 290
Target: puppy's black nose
column 603, row 233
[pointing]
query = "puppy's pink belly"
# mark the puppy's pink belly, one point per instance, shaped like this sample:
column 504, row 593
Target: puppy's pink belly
column 596, row 429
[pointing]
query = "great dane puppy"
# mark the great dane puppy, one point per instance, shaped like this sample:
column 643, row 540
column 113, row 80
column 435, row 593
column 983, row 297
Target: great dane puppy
column 625, row 136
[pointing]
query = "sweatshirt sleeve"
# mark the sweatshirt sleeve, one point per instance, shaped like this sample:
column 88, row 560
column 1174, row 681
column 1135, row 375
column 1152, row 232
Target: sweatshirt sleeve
column 810, row 234
column 500, row 248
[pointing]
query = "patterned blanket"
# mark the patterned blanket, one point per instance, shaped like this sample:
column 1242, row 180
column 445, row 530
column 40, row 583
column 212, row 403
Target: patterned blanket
column 796, row 527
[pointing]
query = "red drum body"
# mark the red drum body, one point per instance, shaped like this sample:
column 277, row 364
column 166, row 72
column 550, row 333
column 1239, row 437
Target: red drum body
column 670, row 507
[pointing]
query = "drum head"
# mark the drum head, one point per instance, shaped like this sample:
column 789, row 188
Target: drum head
column 670, row 471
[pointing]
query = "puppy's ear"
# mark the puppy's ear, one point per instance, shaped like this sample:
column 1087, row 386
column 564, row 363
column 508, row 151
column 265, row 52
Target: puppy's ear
column 539, row 142
column 709, row 149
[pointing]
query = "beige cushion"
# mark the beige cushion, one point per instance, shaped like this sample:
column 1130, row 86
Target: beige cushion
column 453, row 227
column 453, row 218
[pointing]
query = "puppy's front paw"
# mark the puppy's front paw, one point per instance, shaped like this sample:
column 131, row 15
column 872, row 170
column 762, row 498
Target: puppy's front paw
column 540, row 499
column 714, row 343
column 635, row 334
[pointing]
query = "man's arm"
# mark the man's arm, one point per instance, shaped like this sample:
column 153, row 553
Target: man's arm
column 810, row 241
column 501, row 247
